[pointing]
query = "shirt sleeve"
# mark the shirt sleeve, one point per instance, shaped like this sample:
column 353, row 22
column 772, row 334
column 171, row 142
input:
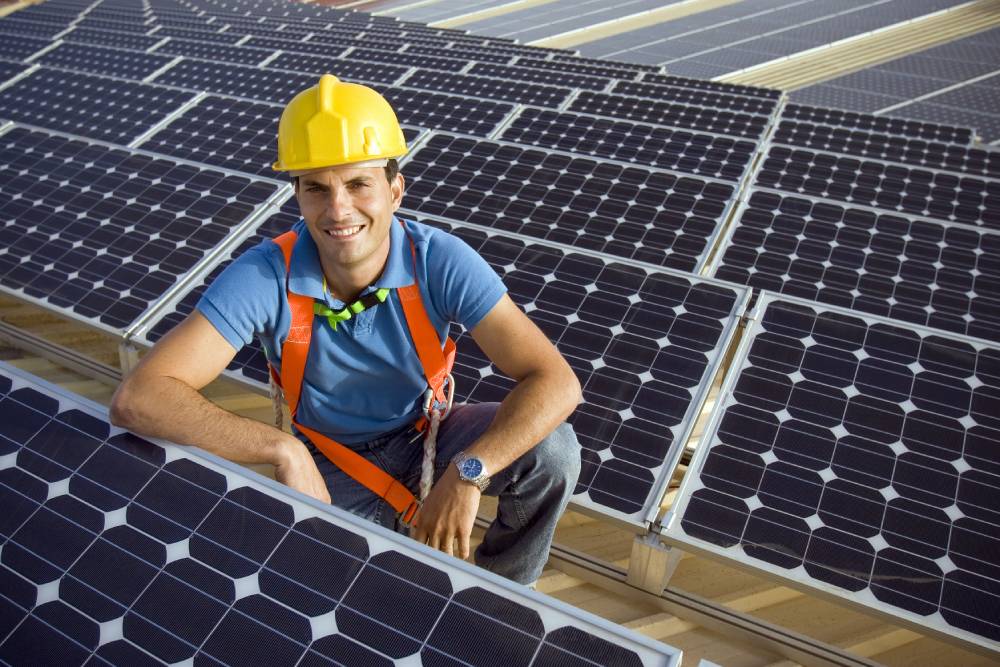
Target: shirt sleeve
column 245, row 299
column 471, row 288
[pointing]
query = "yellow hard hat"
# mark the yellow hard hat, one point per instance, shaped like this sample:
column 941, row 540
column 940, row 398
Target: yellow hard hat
column 334, row 123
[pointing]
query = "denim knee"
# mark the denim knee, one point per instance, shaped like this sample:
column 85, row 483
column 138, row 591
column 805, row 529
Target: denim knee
column 558, row 456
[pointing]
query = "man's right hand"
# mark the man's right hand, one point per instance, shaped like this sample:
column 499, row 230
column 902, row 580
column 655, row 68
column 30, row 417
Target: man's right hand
column 296, row 468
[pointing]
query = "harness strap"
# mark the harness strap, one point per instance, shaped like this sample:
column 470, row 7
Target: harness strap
column 435, row 362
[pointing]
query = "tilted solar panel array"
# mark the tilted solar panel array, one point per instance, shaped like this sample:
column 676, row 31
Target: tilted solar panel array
column 102, row 563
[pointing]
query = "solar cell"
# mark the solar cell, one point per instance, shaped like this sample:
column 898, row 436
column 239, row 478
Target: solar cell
column 456, row 113
column 211, row 51
column 855, row 456
column 665, row 148
column 557, row 78
column 870, row 123
column 124, row 26
column 89, row 106
column 892, row 148
column 914, row 269
column 636, row 213
column 886, row 185
column 16, row 47
column 491, row 88
column 297, row 47
column 465, row 53
column 572, row 58
column 198, row 35
column 250, row 82
column 126, row 551
column 720, row 121
column 37, row 29
column 121, row 40
column 744, row 103
column 101, row 233
column 101, row 60
column 716, row 86
column 347, row 70
column 608, row 69
column 9, row 70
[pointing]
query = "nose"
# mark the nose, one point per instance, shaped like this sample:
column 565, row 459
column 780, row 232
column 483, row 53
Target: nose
column 339, row 205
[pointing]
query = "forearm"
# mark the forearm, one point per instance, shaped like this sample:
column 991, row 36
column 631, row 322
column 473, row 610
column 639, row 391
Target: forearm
column 528, row 414
column 167, row 408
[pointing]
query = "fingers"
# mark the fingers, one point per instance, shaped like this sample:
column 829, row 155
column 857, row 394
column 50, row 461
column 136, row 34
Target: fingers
column 463, row 546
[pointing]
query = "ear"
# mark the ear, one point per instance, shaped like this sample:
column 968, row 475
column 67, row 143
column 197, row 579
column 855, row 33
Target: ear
column 397, row 187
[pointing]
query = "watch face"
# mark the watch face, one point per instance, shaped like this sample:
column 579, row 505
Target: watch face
column 472, row 468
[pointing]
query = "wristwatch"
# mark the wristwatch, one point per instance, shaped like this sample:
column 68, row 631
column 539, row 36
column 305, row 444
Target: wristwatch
column 471, row 470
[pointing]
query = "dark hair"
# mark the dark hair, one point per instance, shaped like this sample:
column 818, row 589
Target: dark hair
column 391, row 170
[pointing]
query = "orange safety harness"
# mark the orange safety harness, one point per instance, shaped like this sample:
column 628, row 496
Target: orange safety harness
column 437, row 364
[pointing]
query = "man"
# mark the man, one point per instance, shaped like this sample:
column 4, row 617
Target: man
column 361, row 382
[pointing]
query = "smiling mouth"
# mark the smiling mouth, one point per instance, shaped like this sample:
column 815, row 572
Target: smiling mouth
column 344, row 232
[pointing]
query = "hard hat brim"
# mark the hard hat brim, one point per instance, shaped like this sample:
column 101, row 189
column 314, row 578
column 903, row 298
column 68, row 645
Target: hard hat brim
column 364, row 164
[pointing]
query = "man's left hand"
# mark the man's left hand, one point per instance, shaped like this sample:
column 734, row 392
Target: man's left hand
column 448, row 514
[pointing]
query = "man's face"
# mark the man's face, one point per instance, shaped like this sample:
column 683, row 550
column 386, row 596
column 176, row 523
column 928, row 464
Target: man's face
column 348, row 211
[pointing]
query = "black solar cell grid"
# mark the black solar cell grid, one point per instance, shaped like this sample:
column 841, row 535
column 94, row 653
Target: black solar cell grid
column 297, row 47
column 889, row 147
column 348, row 70
column 49, row 14
column 16, row 47
column 441, row 111
column 102, row 60
column 198, row 35
column 340, row 40
column 607, row 70
column 894, row 187
column 648, row 145
column 705, row 119
column 406, row 59
column 121, row 551
column 464, row 53
column 630, row 212
column 105, row 232
column 490, row 88
column 36, row 29
column 122, row 40
column 243, row 55
column 539, row 76
column 859, row 456
column 570, row 58
column 870, row 123
column 716, row 100
column 8, row 70
column 907, row 268
column 89, row 106
column 716, row 86
column 123, row 26
column 250, row 82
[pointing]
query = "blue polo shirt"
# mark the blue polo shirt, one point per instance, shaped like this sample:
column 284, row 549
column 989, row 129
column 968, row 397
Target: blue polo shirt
column 363, row 379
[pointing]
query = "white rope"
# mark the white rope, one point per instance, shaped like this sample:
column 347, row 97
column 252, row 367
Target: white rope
column 276, row 400
column 430, row 451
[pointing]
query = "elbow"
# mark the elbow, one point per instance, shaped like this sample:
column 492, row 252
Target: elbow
column 573, row 389
column 122, row 412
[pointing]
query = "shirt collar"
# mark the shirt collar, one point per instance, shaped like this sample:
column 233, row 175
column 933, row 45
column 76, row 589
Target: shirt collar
column 306, row 274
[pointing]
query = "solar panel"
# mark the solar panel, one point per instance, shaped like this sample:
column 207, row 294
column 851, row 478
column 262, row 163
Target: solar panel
column 908, row 268
column 463, row 53
column 12, row 26
column 407, row 59
column 101, row 60
column 238, row 80
column 101, row 233
column 705, row 119
column 744, row 103
column 243, row 55
column 572, row 58
column 126, row 551
column 297, row 47
column 343, row 68
column 607, row 69
column 124, row 26
column 647, row 215
column 895, row 187
column 87, row 105
column 681, row 150
column 491, row 88
column 121, row 40
column 199, row 35
column 9, row 70
column 16, row 47
column 856, row 456
column 892, row 148
column 535, row 75
column 884, row 124
column 716, row 86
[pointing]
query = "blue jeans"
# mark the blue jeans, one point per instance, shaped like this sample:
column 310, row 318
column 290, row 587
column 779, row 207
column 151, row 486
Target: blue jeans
column 533, row 491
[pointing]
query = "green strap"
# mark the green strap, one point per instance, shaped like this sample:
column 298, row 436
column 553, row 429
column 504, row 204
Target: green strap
column 334, row 317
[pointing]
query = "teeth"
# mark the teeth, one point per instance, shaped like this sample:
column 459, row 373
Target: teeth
column 346, row 231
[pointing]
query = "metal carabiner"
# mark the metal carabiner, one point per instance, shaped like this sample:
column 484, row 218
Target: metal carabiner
column 429, row 398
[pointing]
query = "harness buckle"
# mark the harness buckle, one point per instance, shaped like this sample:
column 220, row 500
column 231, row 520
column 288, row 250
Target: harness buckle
column 407, row 516
column 429, row 398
